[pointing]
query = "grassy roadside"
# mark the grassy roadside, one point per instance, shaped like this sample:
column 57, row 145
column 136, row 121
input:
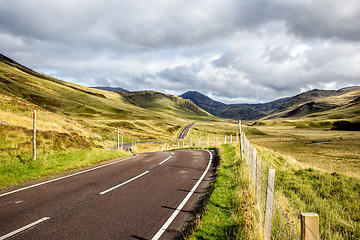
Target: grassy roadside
column 18, row 171
column 334, row 197
column 228, row 214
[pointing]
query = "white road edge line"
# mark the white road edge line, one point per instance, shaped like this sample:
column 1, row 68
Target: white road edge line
column 60, row 178
column 121, row 184
column 182, row 204
column 24, row 228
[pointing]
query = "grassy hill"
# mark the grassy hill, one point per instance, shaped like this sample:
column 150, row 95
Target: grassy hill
column 74, row 122
column 89, row 112
column 309, row 104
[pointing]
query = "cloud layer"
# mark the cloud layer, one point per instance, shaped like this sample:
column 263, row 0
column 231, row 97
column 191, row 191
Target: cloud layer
column 234, row 51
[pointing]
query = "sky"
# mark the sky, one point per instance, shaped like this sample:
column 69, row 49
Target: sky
column 234, row 51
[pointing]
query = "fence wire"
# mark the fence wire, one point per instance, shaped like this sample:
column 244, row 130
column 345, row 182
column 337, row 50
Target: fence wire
column 283, row 227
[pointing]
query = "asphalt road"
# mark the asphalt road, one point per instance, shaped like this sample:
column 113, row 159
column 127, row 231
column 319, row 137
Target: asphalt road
column 147, row 196
column 183, row 133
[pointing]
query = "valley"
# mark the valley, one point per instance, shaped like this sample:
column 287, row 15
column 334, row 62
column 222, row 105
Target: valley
column 76, row 127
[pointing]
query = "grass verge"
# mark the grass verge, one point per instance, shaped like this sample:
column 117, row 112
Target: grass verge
column 17, row 171
column 334, row 197
column 228, row 214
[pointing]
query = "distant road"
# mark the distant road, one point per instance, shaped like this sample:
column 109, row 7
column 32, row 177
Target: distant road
column 183, row 133
column 146, row 196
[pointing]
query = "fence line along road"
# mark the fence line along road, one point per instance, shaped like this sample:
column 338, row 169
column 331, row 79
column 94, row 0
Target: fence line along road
column 276, row 223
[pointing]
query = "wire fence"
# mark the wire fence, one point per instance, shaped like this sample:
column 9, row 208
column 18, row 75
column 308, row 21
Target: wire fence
column 278, row 216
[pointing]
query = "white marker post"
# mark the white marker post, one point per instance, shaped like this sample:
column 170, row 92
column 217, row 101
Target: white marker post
column 34, row 136
column 199, row 138
column 118, row 140
column 122, row 142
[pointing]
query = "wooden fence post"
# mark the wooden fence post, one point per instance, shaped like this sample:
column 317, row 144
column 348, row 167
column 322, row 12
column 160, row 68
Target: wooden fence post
column 258, row 184
column 269, row 203
column 254, row 168
column 34, row 135
column 250, row 160
column 247, row 149
column 241, row 144
column 309, row 226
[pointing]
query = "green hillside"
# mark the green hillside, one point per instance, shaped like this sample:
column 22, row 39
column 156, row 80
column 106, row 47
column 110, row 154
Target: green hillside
column 320, row 109
column 87, row 111
column 75, row 122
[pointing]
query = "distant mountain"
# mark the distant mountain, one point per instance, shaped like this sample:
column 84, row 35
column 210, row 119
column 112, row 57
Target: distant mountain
column 162, row 102
column 234, row 111
column 311, row 103
column 204, row 102
column 316, row 101
column 306, row 97
column 112, row 89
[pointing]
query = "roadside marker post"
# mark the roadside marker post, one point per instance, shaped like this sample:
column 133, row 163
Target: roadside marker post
column 34, row 135
column 117, row 133
column 225, row 140
column 199, row 138
column 122, row 142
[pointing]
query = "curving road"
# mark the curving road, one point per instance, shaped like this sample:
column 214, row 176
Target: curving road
column 183, row 133
column 146, row 196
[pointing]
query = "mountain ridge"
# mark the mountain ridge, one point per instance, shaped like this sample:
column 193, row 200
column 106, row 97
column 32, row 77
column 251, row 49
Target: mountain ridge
column 111, row 89
column 243, row 111
column 302, row 104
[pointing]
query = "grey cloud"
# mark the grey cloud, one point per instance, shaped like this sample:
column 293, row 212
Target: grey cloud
column 252, row 49
column 277, row 54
